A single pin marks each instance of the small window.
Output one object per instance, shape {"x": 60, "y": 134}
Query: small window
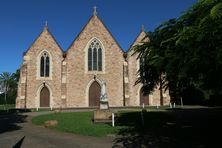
{"x": 44, "y": 65}
{"x": 47, "y": 67}
{"x": 94, "y": 59}
{"x": 100, "y": 59}
{"x": 142, "y": 65}
{"x": 95, "y": 56}
{"x": 90, "y": 59}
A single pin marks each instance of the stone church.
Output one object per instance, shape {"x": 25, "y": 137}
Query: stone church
{"x": 51, "y": 77}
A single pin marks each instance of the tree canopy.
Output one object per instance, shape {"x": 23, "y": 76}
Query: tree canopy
{"x": 8, "y": 87}
{"x": 185, "y": 52}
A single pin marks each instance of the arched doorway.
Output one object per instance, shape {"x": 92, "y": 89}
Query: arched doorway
{"x": 44, "y": 97}
{"x": 144, "y": 98}
{"x": 94, "y": 94}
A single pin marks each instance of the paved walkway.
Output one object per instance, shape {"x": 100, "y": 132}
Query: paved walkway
{"x": 18, "y": 131}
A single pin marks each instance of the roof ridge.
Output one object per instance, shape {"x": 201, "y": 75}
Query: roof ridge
{"x": 94, "y": 15}
{"x": 44, "y": 29}
{"x": 134, "y": 41}
{"x": 78, "y": 34}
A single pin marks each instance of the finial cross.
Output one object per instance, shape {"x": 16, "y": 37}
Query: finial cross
{"x": 46, "y": 24}
{"x": 142, "y": 28}
{"x": 94, "y": 10}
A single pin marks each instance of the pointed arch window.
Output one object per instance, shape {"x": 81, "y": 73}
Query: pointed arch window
{"x": 95, "y": 56}
{"x": 142, "y": 65}
{"x": 44, "y": 65}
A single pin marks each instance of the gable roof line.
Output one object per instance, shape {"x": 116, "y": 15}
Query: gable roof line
{"x": 84, "y": 29}
{"x": 134, "y": 41}
{"x": 112, "y": 35}
{"x": 45, "y": 28}
{"x": 78, "y": 35}
{"x": 55, "y": 40}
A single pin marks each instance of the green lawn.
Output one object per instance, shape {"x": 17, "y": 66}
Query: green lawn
{"x": 41, "y": 109}
{"x": 77, "y": 122}
{"x": 81, "y": 122}
{"x": 197, "y": 127}
{"x": 8, "y": 106}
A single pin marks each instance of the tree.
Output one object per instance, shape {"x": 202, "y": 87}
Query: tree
{"x": 187, "y": 51}
{"x": 1, "y": 89}
{"x": 12, "y": 88}
{"x": 5, "y": 80}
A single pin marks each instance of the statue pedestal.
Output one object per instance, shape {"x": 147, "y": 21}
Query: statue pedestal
{"x": 103, "y": 115}
{"x": 104, "y": 104}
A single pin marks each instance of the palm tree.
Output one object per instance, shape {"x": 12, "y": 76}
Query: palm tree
{"x": 5, "y": 79}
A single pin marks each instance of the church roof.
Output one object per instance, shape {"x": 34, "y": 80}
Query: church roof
{"x": 43, "y": 31}
{"x": 139, "y": 38}
{"x": 92, "y": 17}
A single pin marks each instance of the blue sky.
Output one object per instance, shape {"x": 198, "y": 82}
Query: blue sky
{"x": 21, "y": 21}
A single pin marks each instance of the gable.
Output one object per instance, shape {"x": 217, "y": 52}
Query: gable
{"x": 45, "y": 40}
{"x": 95, "y": 28}
{"x": 139, "y": 39}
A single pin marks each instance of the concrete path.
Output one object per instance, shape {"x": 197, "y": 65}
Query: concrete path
{"x": 17, "y": 131}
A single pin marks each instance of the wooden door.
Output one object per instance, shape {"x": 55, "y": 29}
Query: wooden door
{"x": 94, "y": 94}
{"x": 44, "y": 97}
{"x": 144, "y": 98}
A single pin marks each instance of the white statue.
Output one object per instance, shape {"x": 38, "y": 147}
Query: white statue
{"x": 103, "y": 95}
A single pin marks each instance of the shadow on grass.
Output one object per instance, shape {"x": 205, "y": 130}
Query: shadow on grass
{"x": 10, "y": 119}
{"x": 191, "y": 128}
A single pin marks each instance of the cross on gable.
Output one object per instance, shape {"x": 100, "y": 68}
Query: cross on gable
{"x": 94, "y": 10}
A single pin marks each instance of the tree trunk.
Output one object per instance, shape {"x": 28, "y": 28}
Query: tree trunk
{"x": 6, "y": 96}
{"x": 161, "y": 92}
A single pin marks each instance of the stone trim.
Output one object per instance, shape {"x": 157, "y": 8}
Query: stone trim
{"x": 22, "y": 97}
{"x": 125, "y": 63}
{"x": 138, "y": 94}
{"x": 126, "y": 80}
{"x": 26, "y": 58}
{"x": 150, "y": 99}
{"x": 137, "y": 64}
{"x": 127, "y": 96}
{"x": 23, "y": 80}
{"x": 38, "y": 66}
{"x": 64, "y": 63}
{"x": 37, "y": 98}
{"x": 63, "y": 79}
{"x": 103, "y": 58}
{"x": 63, "y": 97}
{"x": 87, "y": 89}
